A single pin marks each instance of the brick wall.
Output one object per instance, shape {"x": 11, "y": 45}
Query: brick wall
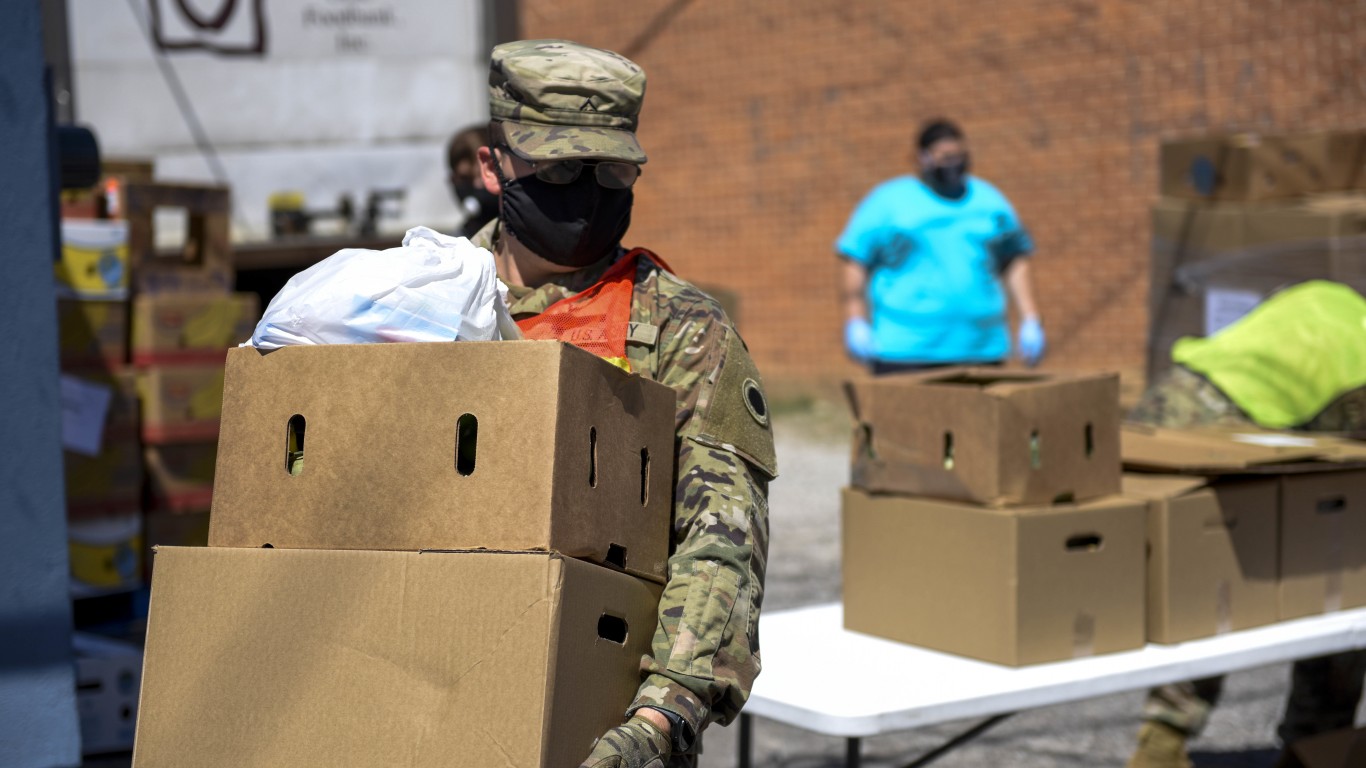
{"x": 767, "y": 122}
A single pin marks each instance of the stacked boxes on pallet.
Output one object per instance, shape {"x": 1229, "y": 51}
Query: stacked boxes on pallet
{"x": 984, "y": 518}
{"x": 418, "y": 552}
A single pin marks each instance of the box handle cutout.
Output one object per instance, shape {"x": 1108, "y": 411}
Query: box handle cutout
{"x": 1085, "y": 542}
{"x": 866, "y": 432}
{"x": 644, "y": 476}
{"x": 616, "y": 556}
{"x": 466, "y": 443}
{"x": 613, "y": 629}
{"x": 1090, "y": 440}
{"x": 593, "y": 457}
{"x": 1035, "y": 450}
{"x": 948, "y": 450}
{"x": 1066, "y": 497}
{"x": 1331, "y": 505}
{"x": 294, "y": 445}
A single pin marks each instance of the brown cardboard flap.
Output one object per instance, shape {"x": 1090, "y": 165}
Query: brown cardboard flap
{"x": 1159, "y": 487}
{"x": 1207, "y": 452}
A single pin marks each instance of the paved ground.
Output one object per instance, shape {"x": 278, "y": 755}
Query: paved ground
{"x": 804, "y": 569}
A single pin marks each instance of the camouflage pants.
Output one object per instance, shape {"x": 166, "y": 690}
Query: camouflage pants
{"x": 1324, "y": 694}
{"x": 1324, "y": 691}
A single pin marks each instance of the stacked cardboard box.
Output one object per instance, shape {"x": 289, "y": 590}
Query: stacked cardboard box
{"x": 435, "y": 554}
{"x": 1243, "y": 216}
{"x": 1247, "y": 527}
{"x": 984, "y": 519}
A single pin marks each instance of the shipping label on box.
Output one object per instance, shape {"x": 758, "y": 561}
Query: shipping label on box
{"x": 1011, "y": 586}
{"x": 513, "y": 445}
{"x": 1212, "y": 554}
{"x": 190, "y": 327}
{"x": 94, "y": 261}
{"x": 108, "y": 675}
{"x": 988, "y": 436}
{"x": 360, "y": 658}
{"x": 1323, "y": 543}
{"x": 180, "y": 475}
{"x": 181, "y": 403}
{"x": 106, "y": 553}
{"x": 92, "y": 333}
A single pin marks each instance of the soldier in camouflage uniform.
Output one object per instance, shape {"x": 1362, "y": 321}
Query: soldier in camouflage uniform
{"x": 1324, "y": 691}
{"x": 554, "y": 101}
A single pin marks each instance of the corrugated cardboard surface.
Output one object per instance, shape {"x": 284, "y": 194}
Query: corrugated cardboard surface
{"x": 1214, "y": 451}
{"x": 181, "y": 402}
{"x": 303, "y": 658}
{"x": 988, "y": 436}
{"x": 559, "y": 465}
{"x": 190, "y": 327}
{"x": 1212, "y": 554}
{"x": 1323, "y": 543}
{"x": 1000, "y": 585}
{"x": 1250, "y": 167}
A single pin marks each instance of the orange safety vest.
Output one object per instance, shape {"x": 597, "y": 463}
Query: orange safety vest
{"x": 598, "y": 318}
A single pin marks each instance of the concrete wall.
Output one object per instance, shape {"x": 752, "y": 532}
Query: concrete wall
{"x": 343, "y": 97}
{"x": 38, "y": 727}
{"x": 766, "y": 123}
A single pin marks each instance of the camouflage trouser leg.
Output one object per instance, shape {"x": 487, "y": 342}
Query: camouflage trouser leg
{"x": 1324, "y": 693}
{"x": 1345, "y": 414}
{"x": 1184, "y": 706}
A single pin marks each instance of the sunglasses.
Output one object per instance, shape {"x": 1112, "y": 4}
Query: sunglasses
{"x": 610, "y": 173}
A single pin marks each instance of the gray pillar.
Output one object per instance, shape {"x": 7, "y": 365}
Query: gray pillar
{"x": 38, "y": 726}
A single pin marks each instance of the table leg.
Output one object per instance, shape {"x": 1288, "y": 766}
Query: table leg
{"x": 853, "y": 753}
{"x": 746, "y": 740}
{"x": 960, "y": 739}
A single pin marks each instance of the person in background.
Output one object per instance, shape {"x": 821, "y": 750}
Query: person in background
{"x": 924, "y": 261}
{"x": 563, "y": 160}
{"x": 1297, "y": 361}
{"x": 476, "y": 204}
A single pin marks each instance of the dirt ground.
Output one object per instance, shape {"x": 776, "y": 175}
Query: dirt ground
{"x": 804, "y": 569}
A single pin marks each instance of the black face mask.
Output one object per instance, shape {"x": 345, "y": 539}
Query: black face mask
{"x": 572, "y": 224}
{"x": 476, "y": 202}
{"x": 949, "y": 180}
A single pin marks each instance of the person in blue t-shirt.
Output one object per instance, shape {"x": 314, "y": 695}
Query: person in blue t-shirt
{"x": 925, "y": 259}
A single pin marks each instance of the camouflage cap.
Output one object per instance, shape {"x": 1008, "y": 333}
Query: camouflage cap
{"x": 558, "y": 99}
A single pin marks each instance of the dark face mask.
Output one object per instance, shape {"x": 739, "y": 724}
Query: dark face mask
{"x": 475, "y": 201}
{"x": 572, "y": 224}
{"x": 949, "y": 180}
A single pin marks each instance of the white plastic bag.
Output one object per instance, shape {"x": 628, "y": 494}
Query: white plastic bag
{"x": 433, "y": 288}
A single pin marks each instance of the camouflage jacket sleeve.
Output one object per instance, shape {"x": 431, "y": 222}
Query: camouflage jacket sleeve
{"x": 706, "y": 645}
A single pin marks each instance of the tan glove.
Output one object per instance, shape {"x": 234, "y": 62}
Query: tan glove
{"x": 636, "y": 744}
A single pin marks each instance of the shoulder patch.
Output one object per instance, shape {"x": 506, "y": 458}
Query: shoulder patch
{"x": 736, "y": 417}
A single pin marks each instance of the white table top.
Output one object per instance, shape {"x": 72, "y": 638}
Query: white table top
{"x": 822, "y": 678}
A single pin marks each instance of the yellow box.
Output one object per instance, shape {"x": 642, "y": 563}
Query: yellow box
{"x": 94, "y": 261}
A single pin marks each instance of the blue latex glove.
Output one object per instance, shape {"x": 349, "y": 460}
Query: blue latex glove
{"x": 858, "y": 339}
{"x": 1031, "y": 341}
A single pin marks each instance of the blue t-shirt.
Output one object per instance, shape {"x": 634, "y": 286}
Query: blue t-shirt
{"x": 933, "y": 264}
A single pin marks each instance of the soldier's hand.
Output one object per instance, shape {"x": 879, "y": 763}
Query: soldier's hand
{"x": 638, "y": 743}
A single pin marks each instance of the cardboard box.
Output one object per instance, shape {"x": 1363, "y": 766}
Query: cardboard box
{"x": 108, "y": 674}
{"x": 204, "y": 262}
{"x": 1212, "y": 554}
{"x": 91, "y": 333}
{"x": 1010, "y": 586}
{"x": 1248, "y": 167}
{"x": 94, "y": 261}
{"x": 1211, "y": 264}
{"x": 109, "y": 481}
{"x": 987, "y": 435}
{"x": 191, "y": 327}
{"x": 1323, "y": 543}
{"x": 1215, "y": 451}
{"x": 369, "y": 659}
{"x": 106, "y": 553}
{"x": 180, "y": 475}
{"x": 181, "y": 403}
{"x": 161, "y": 528}
{"x": 513, "y": 445}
